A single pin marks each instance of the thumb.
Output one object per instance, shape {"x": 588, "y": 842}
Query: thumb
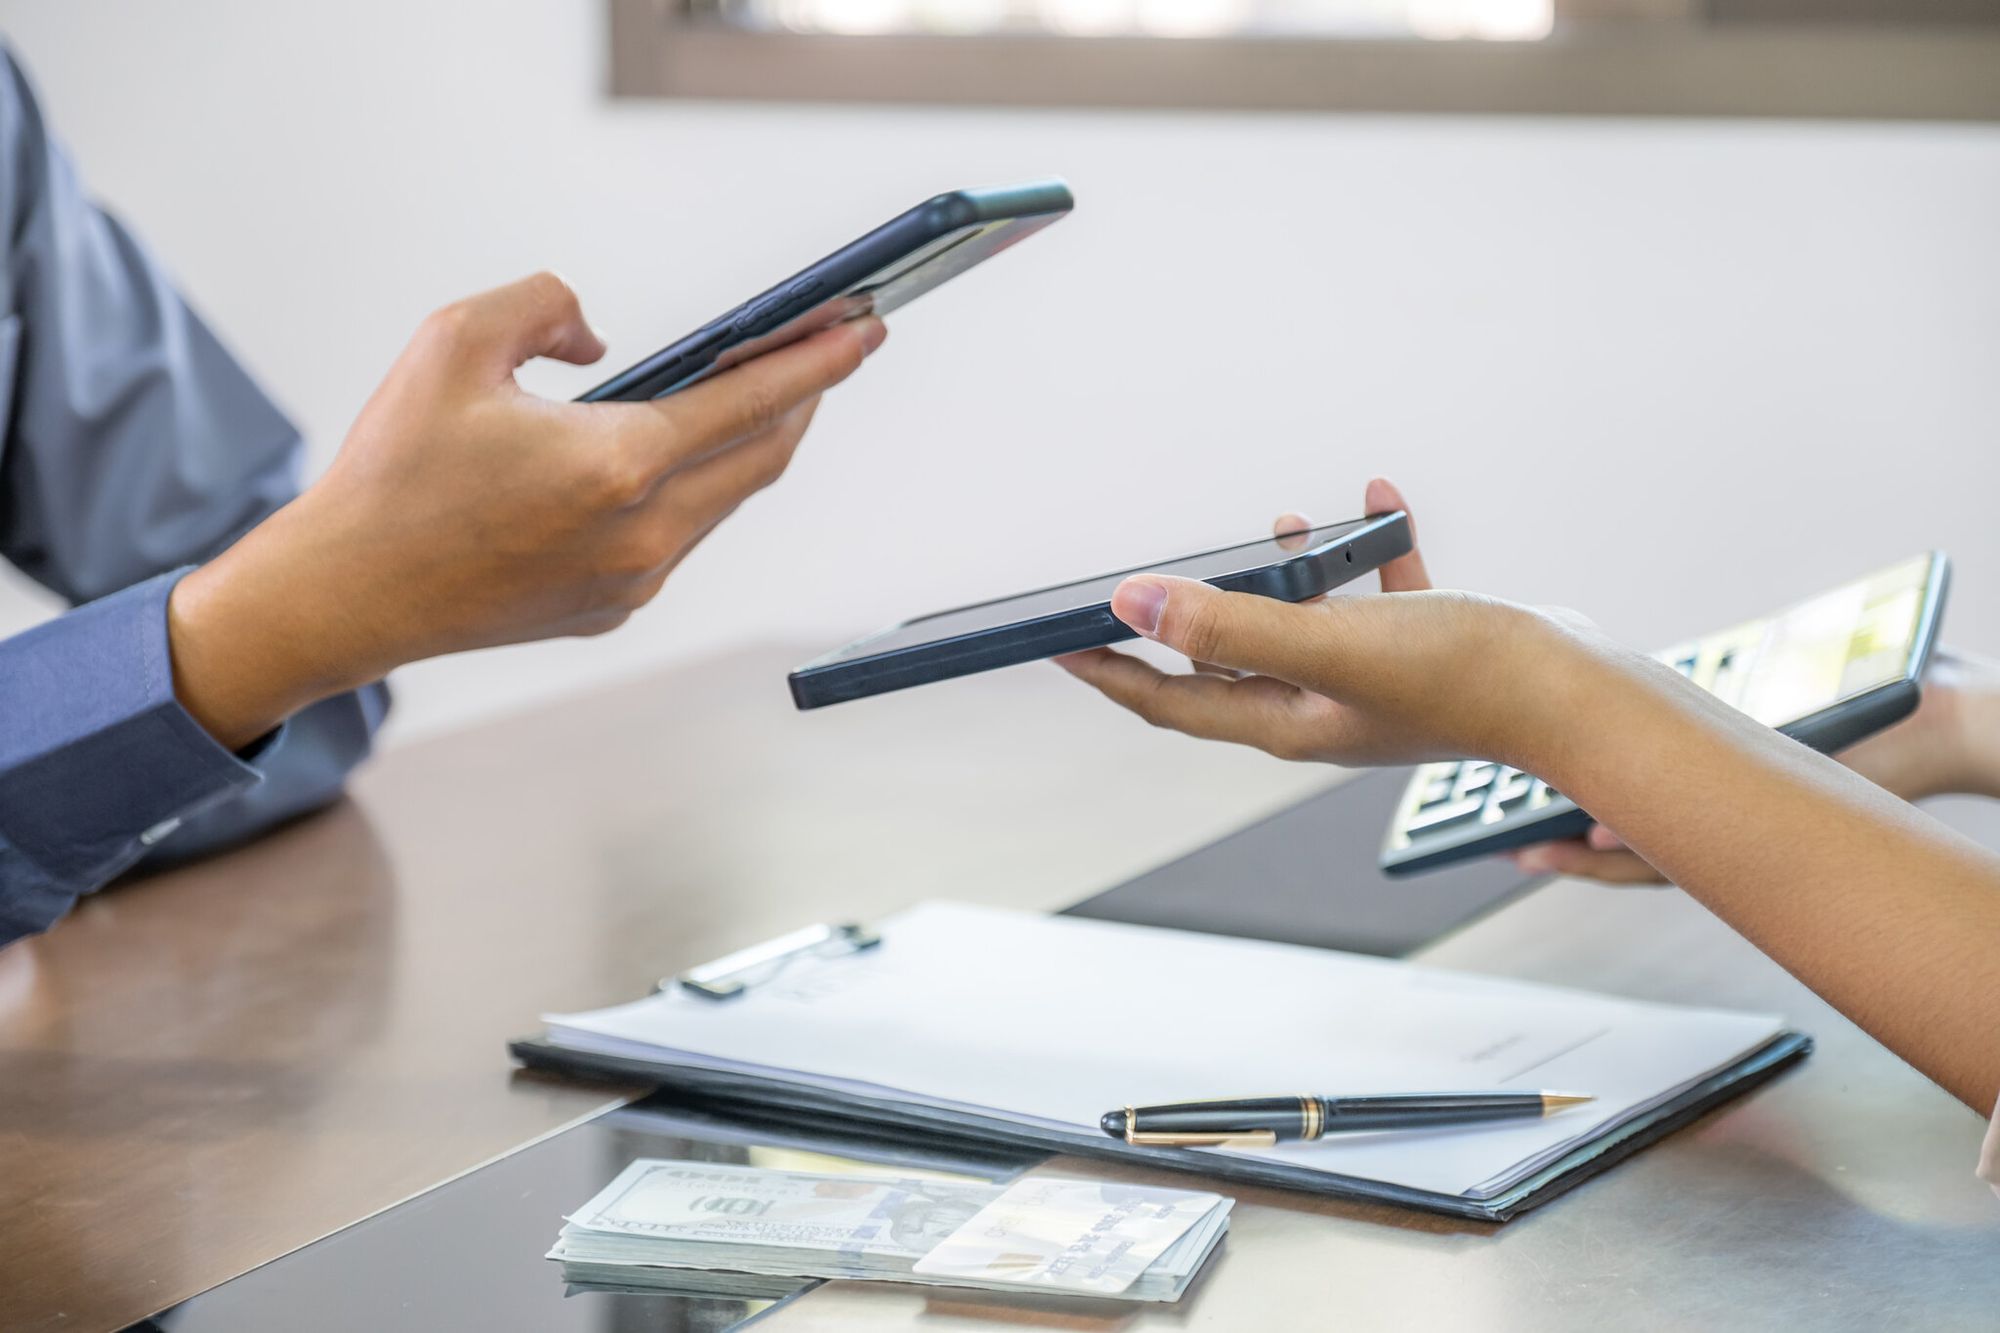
{"x": 1239, "y": 630}
{"x": 500, "y": 329}
{"x": 1603, "y": 839}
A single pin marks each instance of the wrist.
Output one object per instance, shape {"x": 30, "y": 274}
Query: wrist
{"x": 1575, "y": 688}
{"x": 1938, "y": 753}
{"x": 256, "y": 635}
{"x": 1973, "y": 727}
{"x": 1951, "y": 743}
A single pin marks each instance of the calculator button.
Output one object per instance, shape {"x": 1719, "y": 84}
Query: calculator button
{"x": 1445, "y": 815}
{"x": 1474, "y": 777}
{"x": 1509, "y": 790}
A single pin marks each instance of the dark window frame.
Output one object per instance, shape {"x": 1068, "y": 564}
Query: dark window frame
{"x": 1608, "y": 58}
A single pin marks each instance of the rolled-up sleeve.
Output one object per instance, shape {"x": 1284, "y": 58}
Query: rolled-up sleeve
{"x": 134, "y": 447}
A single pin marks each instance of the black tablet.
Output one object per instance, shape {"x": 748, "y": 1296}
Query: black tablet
{"x": 1071, "y": 617}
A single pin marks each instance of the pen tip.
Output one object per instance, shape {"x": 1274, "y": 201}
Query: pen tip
{"x": 1556, "y": 1101}
{"x": 1113, "y": 1123}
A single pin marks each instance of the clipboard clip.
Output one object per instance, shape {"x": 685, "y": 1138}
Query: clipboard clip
{"x": 733, "y": 974}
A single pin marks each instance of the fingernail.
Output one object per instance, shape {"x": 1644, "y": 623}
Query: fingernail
{"x": 873, "y": 334}
{"x": 1140, "y": 603}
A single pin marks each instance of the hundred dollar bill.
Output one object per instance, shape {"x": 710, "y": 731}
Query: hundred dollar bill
{"x": 1078, "y": 1235}
{"x": 665, "y": 1224}
{"x": 703, "y": 1203}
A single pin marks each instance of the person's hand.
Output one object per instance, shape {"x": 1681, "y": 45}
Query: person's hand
{"x": 1949, "y": 744}
{"x": 463, "y": 512}
{"x": 1418, "y": 674}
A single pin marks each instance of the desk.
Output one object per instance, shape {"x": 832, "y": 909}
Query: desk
{"x": 210, "y": 1069}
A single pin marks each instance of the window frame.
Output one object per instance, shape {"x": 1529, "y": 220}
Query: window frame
{"x": 1608, "y": 58}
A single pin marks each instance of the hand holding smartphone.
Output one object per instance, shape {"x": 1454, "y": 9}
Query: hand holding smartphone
{"x": 1072, "y": 617}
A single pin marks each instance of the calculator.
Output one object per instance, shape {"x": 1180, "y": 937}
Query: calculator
{"x": 1828, "y": 672}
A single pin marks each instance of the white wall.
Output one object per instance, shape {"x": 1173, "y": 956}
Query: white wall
{"x": 1665, "y": 372}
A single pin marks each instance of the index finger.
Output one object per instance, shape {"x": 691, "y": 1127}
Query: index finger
{"x": 498, "y": 330}
{"x": 1291, "y": 530}
{"x": 749, "y": 399}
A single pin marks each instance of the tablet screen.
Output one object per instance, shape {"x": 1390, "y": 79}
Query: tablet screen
{"x": 1094, "y": 591}
{"x": 1786, "y": 667}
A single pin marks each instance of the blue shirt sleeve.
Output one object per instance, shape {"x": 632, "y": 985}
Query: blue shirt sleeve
{"x": 134, "y": 446}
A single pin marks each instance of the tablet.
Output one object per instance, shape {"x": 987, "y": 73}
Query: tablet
{"x": 1830, "y": 671}
{"x": 1071, "y": 617}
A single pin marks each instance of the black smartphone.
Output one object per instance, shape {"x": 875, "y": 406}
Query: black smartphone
{"x": 1071, "y": 617}
{"x": 1828, "y": 672}
{"x": 889, "y": 267}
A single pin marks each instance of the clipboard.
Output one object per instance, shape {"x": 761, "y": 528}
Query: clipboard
{"x": 852, "y": 1099}
{"x": 734, "y": 974}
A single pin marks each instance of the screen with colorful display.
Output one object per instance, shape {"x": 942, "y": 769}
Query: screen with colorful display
{"x": 1835, "y": 646}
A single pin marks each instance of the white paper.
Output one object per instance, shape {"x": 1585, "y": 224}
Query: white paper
{"x": 1055, "y": 1020}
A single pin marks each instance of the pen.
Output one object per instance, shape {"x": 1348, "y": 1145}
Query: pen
{"x": 1259, "y": 1122}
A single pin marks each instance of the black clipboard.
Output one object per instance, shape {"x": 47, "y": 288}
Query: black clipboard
{"x": 725, "y": 1091}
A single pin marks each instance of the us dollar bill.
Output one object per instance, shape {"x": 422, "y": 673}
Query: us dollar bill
{"x": 1077, "y": 1235}
{"x": 694, "y": 1202}
{"x": 661, "y": 1222}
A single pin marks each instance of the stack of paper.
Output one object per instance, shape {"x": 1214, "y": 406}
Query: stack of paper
{"x": 752, "y": 1232}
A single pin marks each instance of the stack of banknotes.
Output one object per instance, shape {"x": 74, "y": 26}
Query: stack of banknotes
{"x": 744, "y": 1231}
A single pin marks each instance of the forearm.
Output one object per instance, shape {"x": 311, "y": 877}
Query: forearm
{"x": 1889, "y": 916}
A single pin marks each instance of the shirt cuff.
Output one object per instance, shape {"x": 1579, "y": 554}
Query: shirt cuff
{"x": 98, "y": 760}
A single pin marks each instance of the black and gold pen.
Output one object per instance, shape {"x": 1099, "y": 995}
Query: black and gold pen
{"x": 1259, "y": 1122}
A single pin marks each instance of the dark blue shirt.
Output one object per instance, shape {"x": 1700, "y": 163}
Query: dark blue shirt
{"x": 132, "y": 447}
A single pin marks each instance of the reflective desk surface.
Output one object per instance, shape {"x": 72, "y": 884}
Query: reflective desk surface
{"x": 207, "y": 1070}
